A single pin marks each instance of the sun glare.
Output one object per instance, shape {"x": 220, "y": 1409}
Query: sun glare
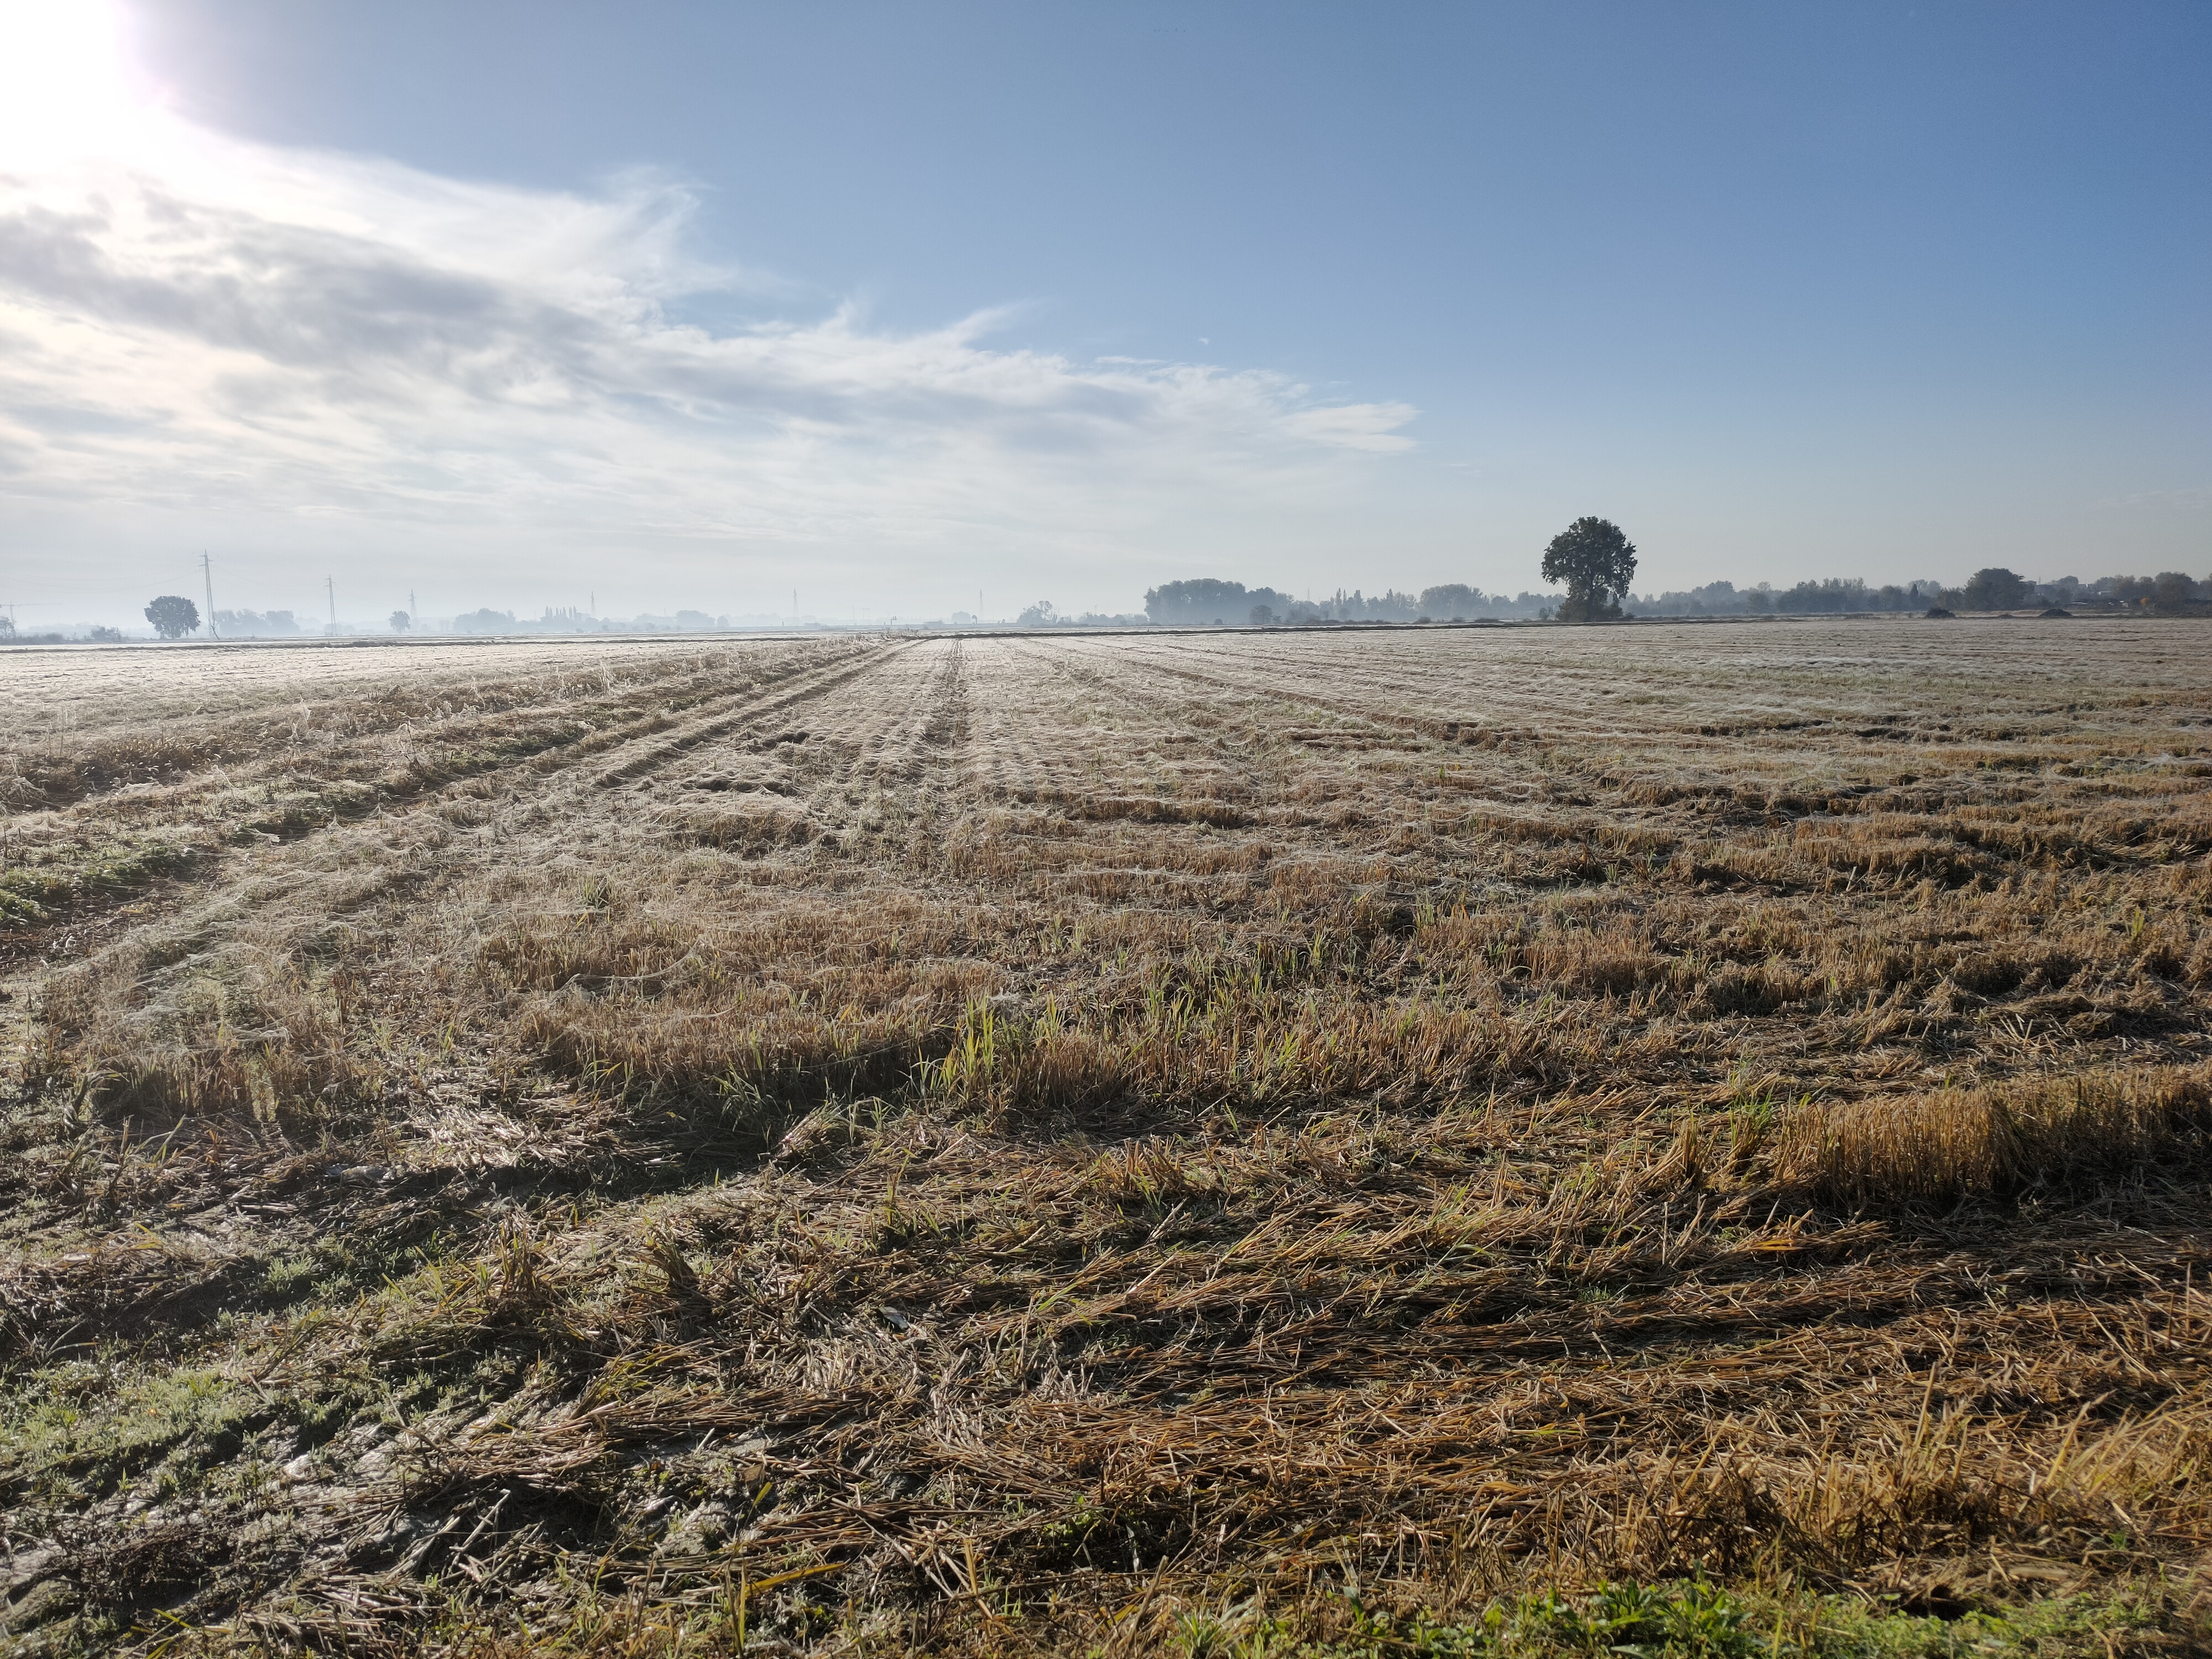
{"x": 63, "y": 92}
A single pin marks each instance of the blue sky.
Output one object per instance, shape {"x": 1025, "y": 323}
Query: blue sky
{"x": 692, "y": 305}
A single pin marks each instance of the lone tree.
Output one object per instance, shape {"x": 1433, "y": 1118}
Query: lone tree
{"x": 1996, "y": 589}
{"x": 1596, "y": 562}
{"x": 174, "y": 616}
{"x": 400, "y": 620}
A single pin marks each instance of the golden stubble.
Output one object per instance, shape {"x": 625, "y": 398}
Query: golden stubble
{"x": 1116, "y": 1125}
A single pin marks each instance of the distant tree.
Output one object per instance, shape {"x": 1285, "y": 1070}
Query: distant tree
{"x": 1040, "y": 615}
{"x": 1996, "y": 589}
{"x": 1453, "y": 599}
{"x": 1391, "y": 605}
{"x": 2066, "y": 590}
{"x": 174, "y": 616}
{"x": 7, "y": 628}
{"x": 1596, "y": 562}
{"x": 105, "y": 635}
{"x": 400, "y": 620}
{"x": 2170, "y": 590}
{"x": 1205, "y": 598}
{"x": 1195, "y": 600}
{"x": 1263, "y": 617}
{"x": 1831, "y": 595}
{"x": 2123, "y": 590}
{"x": 253, "y": 624}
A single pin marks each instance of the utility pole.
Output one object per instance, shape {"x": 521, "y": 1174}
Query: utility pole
{"x": 413, "y": 614}
{"x": 207, "y": 576}
{"x": 331, "y": 587}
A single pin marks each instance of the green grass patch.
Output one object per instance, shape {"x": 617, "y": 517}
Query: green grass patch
{"x": 89, "y": 1430}
{"x": 1696, "y": 1620}
{"x": 30, "y": 896}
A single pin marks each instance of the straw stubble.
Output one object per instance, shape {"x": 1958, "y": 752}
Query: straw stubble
{"x": 1024, "y": 1142}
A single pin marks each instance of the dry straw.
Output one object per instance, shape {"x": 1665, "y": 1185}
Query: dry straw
{"x": 1069, "y": 1145}
{"x": 2033, "y": 1132}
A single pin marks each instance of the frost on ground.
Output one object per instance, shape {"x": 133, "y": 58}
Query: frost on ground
{"x": 1209, "y": 1143}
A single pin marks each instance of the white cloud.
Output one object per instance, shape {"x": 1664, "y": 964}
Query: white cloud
{"x": 195, "y": 330}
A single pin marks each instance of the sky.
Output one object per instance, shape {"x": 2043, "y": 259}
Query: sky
{"x": 896, "y": 309}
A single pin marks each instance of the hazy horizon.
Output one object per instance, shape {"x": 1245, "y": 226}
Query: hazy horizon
{"x": 955, "y": 308}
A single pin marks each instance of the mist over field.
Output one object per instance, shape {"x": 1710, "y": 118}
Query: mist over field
{"x": 1206, "y": 602}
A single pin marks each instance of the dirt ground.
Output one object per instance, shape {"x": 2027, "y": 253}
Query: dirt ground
{"x": 1239, "y": 1142}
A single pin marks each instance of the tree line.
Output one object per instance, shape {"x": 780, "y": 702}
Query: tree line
{"x": 1205, "y": 600}
{"x": 2170, "y": 593}
{"x": 1591, "y": 557}
{"x": 1595, "y": 564}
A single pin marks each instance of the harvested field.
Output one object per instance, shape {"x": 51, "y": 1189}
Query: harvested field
{"x": 1204, "y": 1143}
